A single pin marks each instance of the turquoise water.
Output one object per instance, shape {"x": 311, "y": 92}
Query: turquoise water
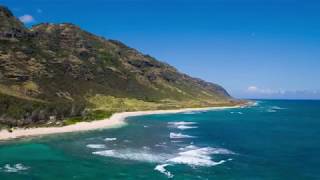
{"x": 272, "y": 140}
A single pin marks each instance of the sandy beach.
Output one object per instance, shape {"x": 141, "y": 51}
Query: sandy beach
{"x": 116, "y": 120}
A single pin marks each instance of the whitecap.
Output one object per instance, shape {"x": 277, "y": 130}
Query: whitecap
{"x": 221, "y": 151}
{"x": 183, "y": 127}
{"x": 160, "y": 145}
{"x": 236, "y": 112}
{"x": 176, "y": 141}
{"x": 190, "y": 155}
{"x": 271, "y": 110}
{"x": 136, "y": 155}
{"x": 254, "y": 103}
{"x": 182, "y": 123}
{"x": 198, "y": 156}
{"x": 188, "y": 148}
{"x": 204, "y": 152}
{"x": 277, "y": 108}
{"x": 146, "y": 148}
{"x": 15, "y": 168}
{"x": 110, "y": 139}
{"x": 179, "y": 136}
{"x": 21, "y": 167}
{"x": 161, "y": 169}
{"x": 96, "y": 146}
{"x": 8, "y": 168}
{"x": 194, "y": 161}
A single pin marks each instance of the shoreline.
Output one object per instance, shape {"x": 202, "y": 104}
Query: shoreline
{"x": 116, "y": 120}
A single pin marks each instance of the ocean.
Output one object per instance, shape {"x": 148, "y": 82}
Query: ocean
{"x": 274, "y": 139}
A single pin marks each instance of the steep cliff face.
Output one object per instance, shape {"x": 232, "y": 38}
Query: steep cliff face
{"x": 60, "y": 70}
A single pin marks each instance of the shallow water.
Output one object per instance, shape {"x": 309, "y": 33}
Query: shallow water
{"x": 273, "y": 140}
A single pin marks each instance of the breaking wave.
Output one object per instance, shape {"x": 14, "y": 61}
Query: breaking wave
{"x": 277, "y": 108}
{"x": 14, "y": 168}
{"x": 110, "y": 139}
{"x": 182, "y": 123}
{"x": 136, "y": 155}
{"x": 183, "y": 127}
{"x": 190, "y": 155}
{"x": 96, "y": 146}
{"x": 161, "y": 169}
{"x": 271, "y": 110}
{"x": 236, "y": 112}
{"x": 188, "y": 148}
{"x": 194, "y": 156}
{"x": 174, "y": 141}
{"x": 179, "y": 136}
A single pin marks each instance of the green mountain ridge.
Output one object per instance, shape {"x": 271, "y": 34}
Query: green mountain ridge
{"x": 51, "y": 72}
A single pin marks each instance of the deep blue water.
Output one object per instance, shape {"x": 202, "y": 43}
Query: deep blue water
{"x": 272, "y": 140}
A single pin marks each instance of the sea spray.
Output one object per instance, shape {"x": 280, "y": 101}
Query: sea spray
{"x": 161, "y": 169}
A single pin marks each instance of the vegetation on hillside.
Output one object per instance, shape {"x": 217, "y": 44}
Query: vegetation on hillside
{"x": 60, "y": 74}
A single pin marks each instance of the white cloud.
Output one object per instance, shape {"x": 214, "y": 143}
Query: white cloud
{"x": 257, "y": 92}
{"x": 252, "y": 88}
{"x": 27, "y": 18}
{"x": 255, "y": 89}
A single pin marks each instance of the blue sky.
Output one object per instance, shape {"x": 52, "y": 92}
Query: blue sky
{"x": 254, "y": 48}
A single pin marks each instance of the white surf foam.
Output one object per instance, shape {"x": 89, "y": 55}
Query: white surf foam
{"x": 277, "y": 108}
{"x": 182, "y": 123}
{"x": 14, "y": 168}
{"x": 179, "y": 136}
{"x": 189, "y": 147}
{"x": 194, "y": 161}
{"x": 236, "y": 112}
{"x": 160, "y": 145}
{"x": 161, "y": 169}
{"x": 163, "y": 144}
{"x": 96, "y": 146}
{"x": 183, "y": 127}
{"x": 146, "y": 148}
{"x": 190, "y": 155}
{"x": 174, "y": 141}
{"x": 271, "y": 111}
{"x": 198, "y": 156}
{"x": 136, "y": 155}
{"x": 110, "y": 139}
{"x": 254, "y": 103}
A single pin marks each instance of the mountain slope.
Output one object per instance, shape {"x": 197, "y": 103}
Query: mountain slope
{"x": 59, "y": 70}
